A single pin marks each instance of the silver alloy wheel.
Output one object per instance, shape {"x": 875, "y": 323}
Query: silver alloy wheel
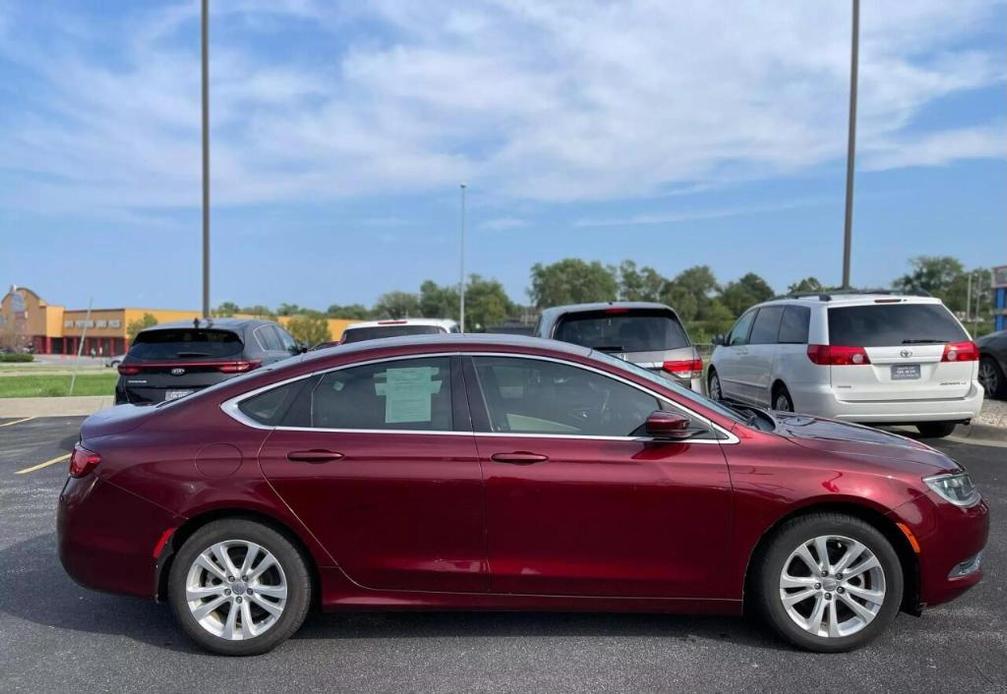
{"x": 782, "y": 403}
{"x": 832, "y": 586}
{"x": 236, "y": 589}
{"x": 988, "y": 376}
{"x": 715, "y": 387}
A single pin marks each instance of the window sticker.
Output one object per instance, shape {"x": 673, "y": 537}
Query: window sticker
{"x": 408, "y": 393}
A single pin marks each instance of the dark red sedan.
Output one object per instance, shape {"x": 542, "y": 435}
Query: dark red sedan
{"x": 507, "y": 473}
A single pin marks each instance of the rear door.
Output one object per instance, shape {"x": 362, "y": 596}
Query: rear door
{"x": 916, "y": 351}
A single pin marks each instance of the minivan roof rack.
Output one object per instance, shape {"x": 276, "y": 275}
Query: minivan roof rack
{"x": 830, "y": 294}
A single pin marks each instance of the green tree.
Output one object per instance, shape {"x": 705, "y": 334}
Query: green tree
{"x": 289, "y": 310}
{"x": 747, "y": 291}
{"x": 257, "y": 310}
{"x": 808, "y": 284}
{"x": 353, "y": 311}
{"x": 438, "y": 301}
{"x": 644, "y": 284}
{"x": 486, "y": 304}
{"x": 228, "y": 308}
{"x": 572, "y": 281}
{"x": 397, "y": 305}
{"x": 135, "y": 326}
{"x": 691, "y": 292}
{"x": 308, "y": 329}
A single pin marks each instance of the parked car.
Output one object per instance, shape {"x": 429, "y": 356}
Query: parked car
{"x": 114, "y": 360}
{"x": 993, "y": 363}
{"x": 172, "y": 360}
{"x": 868, "y": 358}
{"x": 502, "y": 472}
{"x": 372, "y": 330}
{"x": 644, "y": 333}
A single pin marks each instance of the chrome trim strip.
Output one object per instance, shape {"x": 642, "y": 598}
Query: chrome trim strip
{"x": 230, "y": 407}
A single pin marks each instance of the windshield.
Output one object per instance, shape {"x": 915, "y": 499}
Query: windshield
{"x": 690, "y": 395}
{"x": 186, "y": 343}
{"x": 623, "y": 330}
{"x": 379, "y": 331}
{"x": 887, "y": 325}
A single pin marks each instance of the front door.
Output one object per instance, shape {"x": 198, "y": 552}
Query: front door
{"x": 379, "y": 462}
{"x": 578, "y": 502}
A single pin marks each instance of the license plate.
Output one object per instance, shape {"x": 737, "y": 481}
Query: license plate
{"x": 176, "y": 394}
{"x": 905, "y": 372}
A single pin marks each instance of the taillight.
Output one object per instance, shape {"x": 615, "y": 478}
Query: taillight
{"x": 684, "y": 368}
{"x": 837, "y": 355}
{"x": 237, "y": 367}
{"x": 82, "y": 461}
{"x": 961, "y": 351}
{"x": 128, "y": 369}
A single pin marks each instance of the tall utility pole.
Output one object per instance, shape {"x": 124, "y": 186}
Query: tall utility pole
{"x": 461, "y": 271}
{"x": 851, "y": 144}
{"x": 205, "y": 31}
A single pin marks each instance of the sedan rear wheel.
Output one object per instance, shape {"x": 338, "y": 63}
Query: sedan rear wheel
{"x": 238, "y": 587}
{"x": 829, "y": 582}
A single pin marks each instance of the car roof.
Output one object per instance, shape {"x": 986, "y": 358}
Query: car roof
{"x": 445, "y": 323}
{"x": 554, "y": 312}
{"x": 826, "y": 300}
{"x": 211, "y": 324}
{"x": 452, "y": 342}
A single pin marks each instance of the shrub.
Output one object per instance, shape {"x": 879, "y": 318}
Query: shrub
{"x": 16, "y": 357}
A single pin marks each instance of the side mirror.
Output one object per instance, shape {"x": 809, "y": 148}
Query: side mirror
{"x": 719, "y": 339}
{"x": 667, "y": 425}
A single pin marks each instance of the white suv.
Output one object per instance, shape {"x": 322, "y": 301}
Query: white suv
{"x": 869, "y": 358}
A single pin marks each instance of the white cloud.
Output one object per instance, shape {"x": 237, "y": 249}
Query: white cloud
{"x": 674, "y": 216}
{"x": 503, "y": 223}
{"x": 563, "y": 100}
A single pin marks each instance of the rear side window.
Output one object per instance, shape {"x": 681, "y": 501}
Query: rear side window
{"x": 379, "y": 331}
{"x": 268, "y": 339}
{"x": 186, "y": 343}
{"x": 766, "y": 326}
{"x": 286, "y": 341}
{"x": 402, "y": 394}
{"x": 794, "y": 326}
{"x": 885, "y": 325}
{"x": 621, "y": 330}
{"x": 268, "y": 407}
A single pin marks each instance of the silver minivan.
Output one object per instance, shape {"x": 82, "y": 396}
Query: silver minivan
{"x": 644, "y": 333}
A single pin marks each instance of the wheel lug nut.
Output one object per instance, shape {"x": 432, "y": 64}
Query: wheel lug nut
{"x": 840, "y": 589}
{"x": 238, "y": 598}
{"x": 227, "y": 591}
{"x": 249, "y": 591}
{"x": 828, "y": 596}
{"x": 818, "y": 586}
{"x": 231, "y": 579}
{"x": 244, "y": 578}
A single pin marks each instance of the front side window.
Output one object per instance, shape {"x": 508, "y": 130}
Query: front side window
{"x": 766, "y": 326}
{"x": 400, "y": 394}
{"x": 739, "y": 333}
{"x": 531, "y": 396}
{"x": 267, "y": 339}
{"x": 287, "y": 343}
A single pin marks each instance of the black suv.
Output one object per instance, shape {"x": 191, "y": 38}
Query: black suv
{"x": 174, "y": 359}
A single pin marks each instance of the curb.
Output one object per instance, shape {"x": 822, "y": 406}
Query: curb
{"x": 980, "y": 434}
{"x": 74, "y": 406}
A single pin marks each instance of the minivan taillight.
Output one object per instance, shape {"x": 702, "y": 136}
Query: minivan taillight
{"x": 82, "y": 461}
{"x": 128, "y": 369}
{"x": 837, "y": 355}
{"x": 684, "y": 368}
{"x": 237, "y": 367}
{"x": 961, "y": 351}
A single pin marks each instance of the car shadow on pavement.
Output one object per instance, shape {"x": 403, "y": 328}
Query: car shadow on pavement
{"x": 36, "y": 589}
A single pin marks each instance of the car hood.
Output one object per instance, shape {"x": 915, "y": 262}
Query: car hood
{"x": 871, "y": 445}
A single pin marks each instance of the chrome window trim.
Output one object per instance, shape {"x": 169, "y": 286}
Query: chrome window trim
{"x": 230, "y": 406}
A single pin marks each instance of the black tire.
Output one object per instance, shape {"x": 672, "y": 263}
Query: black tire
{"x": 935, "y": 430}
{"x": 991, "y": 376}
{"x": 712, "y": 383}
{"x": 782, "y": 401}
{"x": 768, "y": 568}
{"x": 295, "y": 569}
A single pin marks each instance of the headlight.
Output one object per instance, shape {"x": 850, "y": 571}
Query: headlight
{"x": 954, "y": 487}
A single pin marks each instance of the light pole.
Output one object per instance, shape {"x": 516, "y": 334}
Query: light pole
{"x": 461, "y": 271}
{"x": 205, "y": 38}
{"x": 851, "y": 144}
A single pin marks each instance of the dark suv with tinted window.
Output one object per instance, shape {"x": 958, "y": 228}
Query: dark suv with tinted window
{"x": 645, "y": 333}
{"x": 172, "y": 360}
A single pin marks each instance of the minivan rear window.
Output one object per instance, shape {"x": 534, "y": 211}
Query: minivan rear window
{"x": 886, "y": 325}
{"x": 186, "y": 343}
{"x": 379, "y": 331}
{"x": 619, "y": 330}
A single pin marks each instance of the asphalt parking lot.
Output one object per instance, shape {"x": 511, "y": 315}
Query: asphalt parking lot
{"x": 58, "y": 637}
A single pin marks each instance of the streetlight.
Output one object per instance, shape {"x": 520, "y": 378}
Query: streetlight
{"x": 461, "y": 272}
{"x": 205, "y": 38}
{"x": 851, "y": 144}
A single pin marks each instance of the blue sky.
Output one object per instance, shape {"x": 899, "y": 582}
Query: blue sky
{"x": 673, "y": 134}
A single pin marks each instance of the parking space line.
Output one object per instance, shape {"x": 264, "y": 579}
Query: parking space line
{"x": 16, "y": 421}
{"x": 33, "y": 468}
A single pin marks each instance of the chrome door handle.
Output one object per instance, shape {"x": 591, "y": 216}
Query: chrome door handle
{"x": 519, "y": 458}
{"x": 314, "y": 456}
